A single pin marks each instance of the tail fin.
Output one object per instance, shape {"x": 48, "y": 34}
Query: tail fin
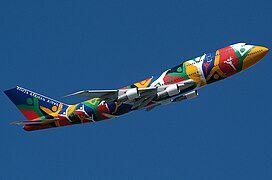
{"x": 33, "y": 105}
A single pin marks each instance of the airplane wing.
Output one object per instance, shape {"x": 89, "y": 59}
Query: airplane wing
{"x": 103, "y": 94}
{"x": 140, "y": 97}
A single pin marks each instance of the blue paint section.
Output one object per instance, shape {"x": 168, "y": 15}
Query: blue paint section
{"x": 124, "y": 108}
{"x": 90, "y": 112}
{"x": 111, "y": 106}
{"x": 33, "y": 105}
{"x": 17, "y": 97}
{"x": 22, "y": 96}
{"x": 154, "y": 79}
{"x": 63, "y": 111}
{"x": 208, "y": 63}
{"x": 79, "y": 107}
{"x": 118, "y": 110}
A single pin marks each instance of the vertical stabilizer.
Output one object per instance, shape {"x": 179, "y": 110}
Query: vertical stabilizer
{"x": 33, "y": 105}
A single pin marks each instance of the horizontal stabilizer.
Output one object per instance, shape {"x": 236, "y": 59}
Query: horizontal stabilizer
{"x": 35, "y": 122}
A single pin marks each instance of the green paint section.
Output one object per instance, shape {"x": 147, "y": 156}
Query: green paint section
{"x": 29, "y": 101}
{"x": 180, "y": 71}
{"x": 199, "y": 58}
{"x": 34, "y": 107}
{"x": 240, "y": 57}
{"x": 94, "y": 106}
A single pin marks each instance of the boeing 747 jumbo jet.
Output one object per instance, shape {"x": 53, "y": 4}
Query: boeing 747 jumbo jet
{"x": 173, "y": 85}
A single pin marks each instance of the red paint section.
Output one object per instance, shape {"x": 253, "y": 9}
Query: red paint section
{"x": 228, "y": 62}
{"x": 102, "y": 108}
{"x": 30, "y": 115}
{"x": 172, "y": 79}
{"x": 37, "y": 127}
{"x": 80, "y": 114}
{"x": 87, "y": 121}
{"x": 151, "y": 103}
{"x": 63, "y": 121}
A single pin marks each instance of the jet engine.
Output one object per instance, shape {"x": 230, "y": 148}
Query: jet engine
{"x": 130, "y": 95}
{"x": 171, "y": 90}
{"x": 189, "y": 95}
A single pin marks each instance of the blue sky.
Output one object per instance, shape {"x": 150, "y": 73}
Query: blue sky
{"x": 59, "y": 47}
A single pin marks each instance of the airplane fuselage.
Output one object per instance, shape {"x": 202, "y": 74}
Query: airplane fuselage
{"x": 170, "y": 87}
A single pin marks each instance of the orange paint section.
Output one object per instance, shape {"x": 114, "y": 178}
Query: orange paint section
{"x": 144, "y": 83}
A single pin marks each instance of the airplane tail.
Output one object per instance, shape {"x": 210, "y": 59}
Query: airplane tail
{"x": 36, "y": 108}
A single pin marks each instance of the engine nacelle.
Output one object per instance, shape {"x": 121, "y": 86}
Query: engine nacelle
{"x": 171, "y": 90}
{"x": 130, "y": 95}
{"x": 189, "y": 95}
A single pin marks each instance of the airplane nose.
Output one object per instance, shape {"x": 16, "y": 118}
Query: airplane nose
{"x": 254, "y": 56}
{"x": 264, "y": 50}
{"x": 259, "y": 52}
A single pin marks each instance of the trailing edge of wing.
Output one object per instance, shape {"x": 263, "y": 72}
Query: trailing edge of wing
{"x": 34, "y": 122}
{"x": 95, "y": 93}
{"x": 144, "y": 92}
{"x": 110, "y": 94}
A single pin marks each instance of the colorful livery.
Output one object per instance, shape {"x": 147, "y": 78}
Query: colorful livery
{"x": 173, "y": 85}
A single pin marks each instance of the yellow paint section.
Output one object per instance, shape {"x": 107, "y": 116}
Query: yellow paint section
{"x": 71, "y": 109}
{"x": 81, "y": 117}
{"x": 54, "y": 108}
{"x": 117, "y": 105}
{"x": 144, "y": 83}
{"x": 93, "y": 101}
{"x": 216, "y": 68}
{"x": 247, "y": 62}
{"x": 57, "y": 123}
{"x": 52, "y": 113}
{"x": 216, "y": 76}
{"x": 254, "y": 56}
{"x": 216, "y": 61}
{"x": 192, "y": 72}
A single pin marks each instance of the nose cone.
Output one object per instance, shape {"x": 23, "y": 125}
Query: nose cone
{"x": 254, "y": 56}
{"x": 261, "y": 51}
{"x": 258, "y": 53}
{"x": 266, "y": 50}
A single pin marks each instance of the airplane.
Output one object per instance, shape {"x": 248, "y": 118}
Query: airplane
{"x": 173, "y": 85}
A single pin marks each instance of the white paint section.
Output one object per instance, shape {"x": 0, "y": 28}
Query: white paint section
{"x": 159, "y": 81}
{"x": 241, "y": 48}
